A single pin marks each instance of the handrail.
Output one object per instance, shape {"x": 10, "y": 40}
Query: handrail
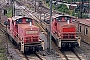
{"x": 68, "y": 35}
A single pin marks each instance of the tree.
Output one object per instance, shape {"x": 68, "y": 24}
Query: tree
{"x": 63, "y": 8}
{"x": 47, "y": 1}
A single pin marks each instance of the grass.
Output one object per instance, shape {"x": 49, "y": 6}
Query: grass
{"x": 0, "y": 41}
{"x": 2, "y": 57}
{"x": 2, "y": 51}
{"x": 2, "y": 54}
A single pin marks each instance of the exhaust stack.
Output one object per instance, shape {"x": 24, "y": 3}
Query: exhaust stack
{"x": 68, "y": 21}
{"x": 31, "y": 25}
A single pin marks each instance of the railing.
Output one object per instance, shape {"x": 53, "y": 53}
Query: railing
{"x": 35, "y": 39}
{"x": 68, "y": 35}
{"x": 31, "y": 39}
{"x": 27, "y": 39}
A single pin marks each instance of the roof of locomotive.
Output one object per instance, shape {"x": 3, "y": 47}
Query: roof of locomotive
{"x": 65, "y": 23}
{"x": 25, "y": 26}
{"x": 18, "y": 17}
{"x": 58, "y": 15}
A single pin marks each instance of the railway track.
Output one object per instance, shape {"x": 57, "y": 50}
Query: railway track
{"x": 84, "y": 49}
{"x": 65, "y": 55}
{"x": 72, "y": 55}
{"x": 34, "y": 56}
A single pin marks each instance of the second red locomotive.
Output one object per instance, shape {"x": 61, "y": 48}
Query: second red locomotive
{"x": 64, "y": 31}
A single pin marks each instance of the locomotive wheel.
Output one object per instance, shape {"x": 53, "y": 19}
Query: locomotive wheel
{"x": 10, "y": 38}
{"x": 19, "y": 47}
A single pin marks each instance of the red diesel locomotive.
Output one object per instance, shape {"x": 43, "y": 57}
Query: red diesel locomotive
{"x": 24, "y": 33}
{"x": 64, "y": 31}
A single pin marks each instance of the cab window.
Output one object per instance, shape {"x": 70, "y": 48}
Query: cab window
{"x": 28, "y": 20}
{"x": 67, "y": 18}
{"x": 18, "y": 21}
{"x": 58, "y": 19}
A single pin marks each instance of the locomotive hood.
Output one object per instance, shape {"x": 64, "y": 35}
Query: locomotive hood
{"x": 28, "y": 27}
{"x": 65, "y": 24}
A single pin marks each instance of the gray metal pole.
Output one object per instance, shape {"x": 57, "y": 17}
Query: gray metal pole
{"x": 0, "y": 13}
{"x": 50, "y": 25}
{"x": 35, "y": 5}
{"x": 13, "y": 8}
{"x": 89, "y": 7}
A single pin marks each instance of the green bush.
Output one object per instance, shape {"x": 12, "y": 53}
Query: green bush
{"x": 3, "y": 58}
{"x": 9, "y": 12}
{"x": 1, "y": 55}
{"x": 2, "y": 49}
{"x": 63, "y": 8}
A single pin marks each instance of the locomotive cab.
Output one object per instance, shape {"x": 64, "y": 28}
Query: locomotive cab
{"x": 59, "y": 18}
